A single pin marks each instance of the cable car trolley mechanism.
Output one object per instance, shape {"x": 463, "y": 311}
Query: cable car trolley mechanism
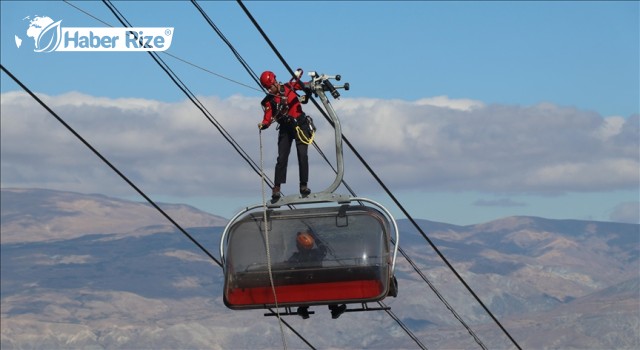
{"x": 330, "y": 249}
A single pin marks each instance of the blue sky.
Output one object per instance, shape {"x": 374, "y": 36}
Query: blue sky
{"x": 471, "y": 111}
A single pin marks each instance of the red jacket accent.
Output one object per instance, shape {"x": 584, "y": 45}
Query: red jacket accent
{"x": 290, "y": 103}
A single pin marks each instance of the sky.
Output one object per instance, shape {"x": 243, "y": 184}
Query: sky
{"x": 468, "y": 111}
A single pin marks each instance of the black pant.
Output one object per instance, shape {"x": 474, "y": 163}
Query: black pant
{"x": 286, "y": 136}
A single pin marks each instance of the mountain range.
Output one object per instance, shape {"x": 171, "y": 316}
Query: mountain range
{"x": 92, "y": 272}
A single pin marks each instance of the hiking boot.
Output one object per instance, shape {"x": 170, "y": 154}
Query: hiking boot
{"x": 303, "y": 311}
{"x": 275, "y": 194}
{"x": 337, "y": 310}
{"x": 305, "y": 191}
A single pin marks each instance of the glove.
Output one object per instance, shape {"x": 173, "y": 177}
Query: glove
{"x": 262, "y": 126}
{"x": 298, "y": 73}
{"x": 307, "y": 95}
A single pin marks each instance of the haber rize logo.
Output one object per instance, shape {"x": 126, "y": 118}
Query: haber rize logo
{"x": 48, "y": 35}
{"x": 38, "y": 28}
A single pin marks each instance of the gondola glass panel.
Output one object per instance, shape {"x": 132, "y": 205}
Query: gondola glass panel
{"x": 348, "y": 262}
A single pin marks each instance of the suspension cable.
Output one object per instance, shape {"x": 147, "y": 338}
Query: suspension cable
{"x": 404, "y": 327}
{"x": 189, "y": 94}
{"x": 167, "y": 53}
{"x": 253, "y": 74}
{"x": 315, "y": 145}
{"x": 255, "y": 79}
{"x": 442, "y": 298}
{"x": 182, "y": 86}
{"x": 194, "y": 99}
{"x": 389, "y": 193}
{"x": 113, "y": 167}
{"x": 136, "y": 188}
{"x": 124, "y": 177}
{"x": 246, "y": 66}
{"x": 175, "y": 79}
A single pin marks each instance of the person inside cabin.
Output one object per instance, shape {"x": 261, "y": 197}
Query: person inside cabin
{"x": 309, "y": 250}
{"x": 283, "y": 105}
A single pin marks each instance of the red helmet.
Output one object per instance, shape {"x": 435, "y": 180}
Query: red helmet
{"x": 267, "y": 79}
{"x": 304, "y": 240}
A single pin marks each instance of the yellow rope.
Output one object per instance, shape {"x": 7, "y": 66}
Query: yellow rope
{"x": 303, "y": 138}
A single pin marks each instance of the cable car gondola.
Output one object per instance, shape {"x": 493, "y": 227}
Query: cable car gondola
{"x": 311, "y": 252}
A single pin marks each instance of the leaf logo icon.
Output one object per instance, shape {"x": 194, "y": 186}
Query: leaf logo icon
{"x": 50, "y": 36}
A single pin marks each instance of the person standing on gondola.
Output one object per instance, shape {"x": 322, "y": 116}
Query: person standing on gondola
{"x": 283, "y": 105}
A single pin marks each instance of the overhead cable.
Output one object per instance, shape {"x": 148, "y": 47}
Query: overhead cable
{"x": 381, "y": 183}
{"x": 108, "y": 163}
{"x": 177, "y": 81}
{"x": 253, "y": 74}
{"x": 182, "y": 86}
{"x": 167, "y": 53}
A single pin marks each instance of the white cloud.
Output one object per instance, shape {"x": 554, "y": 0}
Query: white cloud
{"x": 432, "y": 143}
{"x": 610, "y": 127}
{"x": 446, "y": 102}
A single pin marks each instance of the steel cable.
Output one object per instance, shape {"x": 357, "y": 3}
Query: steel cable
{"x": 381, "y": 183}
